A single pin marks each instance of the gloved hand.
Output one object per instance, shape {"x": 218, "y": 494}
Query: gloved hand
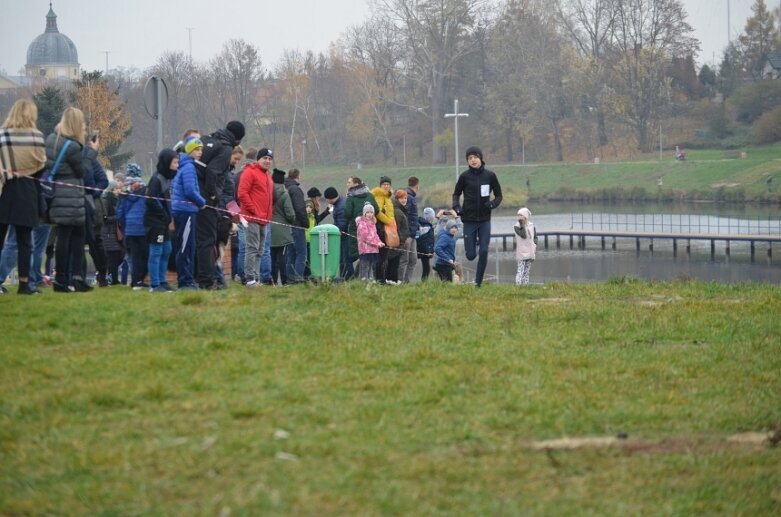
{"x": 233, "y": 210}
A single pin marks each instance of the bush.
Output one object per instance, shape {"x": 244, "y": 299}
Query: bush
{"x": 767, "y": 129}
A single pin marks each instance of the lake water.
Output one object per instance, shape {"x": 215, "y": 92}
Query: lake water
{"x": 594, "y": 264}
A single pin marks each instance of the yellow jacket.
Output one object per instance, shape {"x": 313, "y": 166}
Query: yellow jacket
{"x": 384, "y": 205}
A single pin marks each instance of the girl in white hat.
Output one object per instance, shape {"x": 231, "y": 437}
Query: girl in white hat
{"x": 525, "y": 245}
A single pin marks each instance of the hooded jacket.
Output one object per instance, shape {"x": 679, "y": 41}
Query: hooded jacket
{"x": 525, "y": 236}
{"x": 214, "y": 177}
{"x": 185, "y": 193}
{"x": 282, "y": 234}
{"x": 476, "y": 185}
{"x": 299, "y": 202}
{"x": 158, "y": 211}
{"x": 384, "y": 211}
{"x": 357, "y": 196}
{"x": 130, "y": 213}
{"x": 255, "y": 194}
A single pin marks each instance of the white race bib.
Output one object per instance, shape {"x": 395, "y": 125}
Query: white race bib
{"x": 485, "y": 190}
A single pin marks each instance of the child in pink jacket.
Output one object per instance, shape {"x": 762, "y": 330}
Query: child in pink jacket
{"x": 369, "y": 242}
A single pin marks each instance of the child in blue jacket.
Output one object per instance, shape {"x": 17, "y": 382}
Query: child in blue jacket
{"x": 186, "y": 201}
{"x": 445, "y": 251}
{"x": 130, "y": 218}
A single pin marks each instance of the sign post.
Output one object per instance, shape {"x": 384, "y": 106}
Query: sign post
{"x": 155, "y": 102}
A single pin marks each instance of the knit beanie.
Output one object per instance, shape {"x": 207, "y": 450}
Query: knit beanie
{"x": 191, "y": 144}
{"x": 474, "y": 150}
{"x": 367, "y": 207}
{"x": 265, "y": 152}
{"x": 331, "y": 193}
{"x": 429, "y": 214}
{"x": 313, "y": 192}
{"x": 451, "y": 223}
{"x": 385, "y": 179}
{"x": 236, "y": 128}
{"x": 133, "y": 170}
{"x": 278, "y": 176}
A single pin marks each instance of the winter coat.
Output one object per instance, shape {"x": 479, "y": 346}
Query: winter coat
{"x": 412, "y": 211}
{"x": 67, "y": 207}
{"x": 340, "y": 221}
{"x": 426, "y": 238}
{"x": 476, "y": 186}
{"x": 19, "y": 201}
{"x": 109, "y": 229}
{"x": 299, "y": 202}
{"x": 368, "y": 240}
{"x": 185, "y": 193}
{"x": 214, "y": 176}
{"x": 256, "y": 194}
{"x": 357, "y": 196}
{"x": 282, "y": 234}
{"x": 130, "y": 213}
{"x": 445, "y": 249}
{"x": 384, "y": 213}
{"x": 525, "y": 240}
{"x": 95, "y": 177}
{"x": 157, "y": 216}
{"x": 402, "y": 222}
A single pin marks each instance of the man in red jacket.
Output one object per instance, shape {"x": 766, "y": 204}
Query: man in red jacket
{"x": 256, "y": 192}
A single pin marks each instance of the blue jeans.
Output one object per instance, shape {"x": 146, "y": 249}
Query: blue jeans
{"x": 296, "y": 258}
{"x": 185, "y": 251}
{"x": 265, "y": 259}
{"x": 474, "y": 234}
{"x": 158, "y": 262}
{"x": 40, "y": 239}
{"x": 8, "y": 257}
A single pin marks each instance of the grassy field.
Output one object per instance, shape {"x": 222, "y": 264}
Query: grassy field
{"x": 418, "y": 399}
{"x": 705, "y": 175}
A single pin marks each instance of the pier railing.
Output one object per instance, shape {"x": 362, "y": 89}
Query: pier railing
{"x": 675, "y": 223}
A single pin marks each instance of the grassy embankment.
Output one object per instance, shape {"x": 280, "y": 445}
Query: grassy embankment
{"x": 421, "y": 399}
{"x": 705, "y": 176}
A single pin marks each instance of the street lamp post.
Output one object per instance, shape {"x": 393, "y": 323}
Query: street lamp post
{"x": 303, "y": 152}
{"x": 456, "y": 115}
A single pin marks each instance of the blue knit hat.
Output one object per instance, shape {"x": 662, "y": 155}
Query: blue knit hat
{"x": 133, "y": 170}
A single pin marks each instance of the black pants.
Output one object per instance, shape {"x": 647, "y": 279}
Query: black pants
{"x": 382, "y": 265}
{"x": 24, "y": 247}
{"x": 113, "y": 260}
{"x": 445, "y": 272}
{"x": 392, "y": 269}
{"x": 205, "y": 246}
{"x": 279, "y": 264}
{"x": 96, "y": 251}
{"x": 139, "y": 255}
{"x": 68, "y": 253}
{"x": 425, "y": 262}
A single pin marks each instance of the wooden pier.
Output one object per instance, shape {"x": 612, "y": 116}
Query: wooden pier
{"x": 577, "y": 238}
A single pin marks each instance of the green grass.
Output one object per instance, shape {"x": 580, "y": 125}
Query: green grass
{"x": 705, "y": 175}
{"x": 418, "y": 399}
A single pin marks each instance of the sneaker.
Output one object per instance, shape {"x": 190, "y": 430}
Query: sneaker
{"x": 27, "y": 289}
{"x": 47, "y": 280}
{"x": 158, "y": 289}
{"x": 141, "y": 286}
{"x": 3, "y": 290}
{"x": 167, "y": 287}
{"x": 62, "y": 288}
{"x": 81, "y": 286}
{"x": 252, "y": 284}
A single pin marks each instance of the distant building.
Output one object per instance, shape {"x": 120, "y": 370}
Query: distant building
{"x": 772, "y": 68}
{"x": 7, "y": 83}
{"x": 52, "y": 56}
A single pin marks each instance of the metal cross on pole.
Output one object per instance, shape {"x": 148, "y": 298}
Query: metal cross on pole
{"x": 456, "y": 115}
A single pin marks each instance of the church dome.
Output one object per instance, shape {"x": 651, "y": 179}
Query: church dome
{"x": 52, "y": 47}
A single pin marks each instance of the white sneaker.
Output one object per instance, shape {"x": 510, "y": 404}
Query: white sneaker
{"x": 252, "y": 284}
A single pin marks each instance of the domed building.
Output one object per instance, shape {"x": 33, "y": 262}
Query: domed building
{"x": 52, "y": 55}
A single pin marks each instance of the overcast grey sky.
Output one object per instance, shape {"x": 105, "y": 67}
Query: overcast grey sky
{"x": 136, "y": 32}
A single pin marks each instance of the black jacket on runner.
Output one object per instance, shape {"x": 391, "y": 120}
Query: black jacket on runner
{"x": 477, "y": 185}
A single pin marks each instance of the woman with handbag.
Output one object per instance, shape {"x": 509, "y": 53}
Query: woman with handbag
{"x": 386, "y": 222}
{"x": 66, "y": 209}
{"x": 21, "y": 155}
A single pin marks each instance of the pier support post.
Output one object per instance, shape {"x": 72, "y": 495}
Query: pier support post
{"x": 713, "y": 247}
{"x": 571, "y": 242}
{"x": 614, "y": 243}
{"x": 637, "y": 244}
{"x": 603, "y": 242}
{"x": 546, "y": 242}
{"x": 675, "y": 247}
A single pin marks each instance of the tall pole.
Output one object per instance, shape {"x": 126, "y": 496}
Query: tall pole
{"x": 660, "y": 142}
{"x": 107, "y": 52}
{"x": 729, "y": 25}
{"x": 159, "y": 114}
{"x": 456, "y": 115}
{"x": 190, "y": 39}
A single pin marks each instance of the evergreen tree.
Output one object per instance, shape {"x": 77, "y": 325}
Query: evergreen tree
{"x": 51, "y": 104}
{"x": 758, "y": 39}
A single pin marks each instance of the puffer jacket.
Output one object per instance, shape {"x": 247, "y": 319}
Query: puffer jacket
{"x": 185, "y": 194}
{"x": 357, "y": 196}
{"x": 130, "y": 213}
{"x": 67, "y": 207}
{"x": 384, "y": 213}
{"x": 299, "y": 202}
{"x": 283, "y": 213}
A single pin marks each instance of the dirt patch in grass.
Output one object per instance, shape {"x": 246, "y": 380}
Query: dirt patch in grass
{"x": 673, "y": 445}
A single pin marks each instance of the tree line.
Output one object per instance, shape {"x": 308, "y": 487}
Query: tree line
{"x": 541, "y": 80}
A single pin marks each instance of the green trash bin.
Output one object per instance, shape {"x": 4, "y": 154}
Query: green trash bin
{"x": 325, "y": 245}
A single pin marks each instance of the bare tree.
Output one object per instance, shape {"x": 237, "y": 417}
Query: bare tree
{"x": 435, "y": 34}
{"x": 238, "y": 72}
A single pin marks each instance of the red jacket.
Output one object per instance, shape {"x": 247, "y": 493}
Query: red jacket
{"x": 256, "y": 194}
